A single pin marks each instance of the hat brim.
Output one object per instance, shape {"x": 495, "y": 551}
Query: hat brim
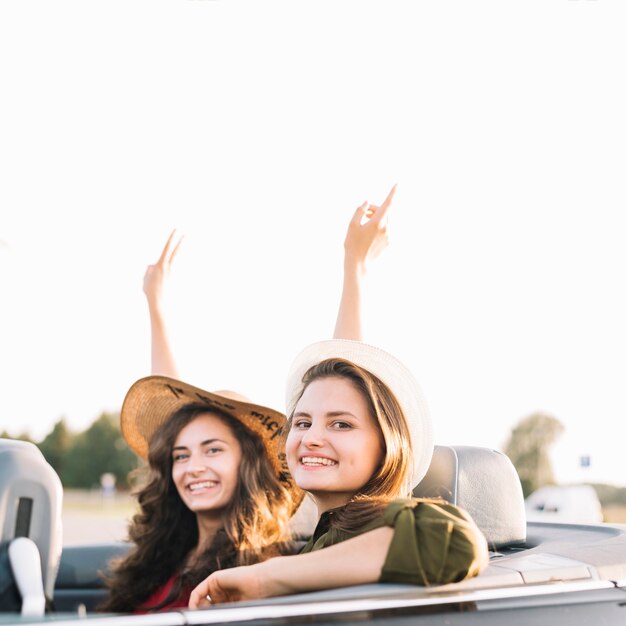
{"x": 390, "y": 371}
{"x": 152, "y": 400}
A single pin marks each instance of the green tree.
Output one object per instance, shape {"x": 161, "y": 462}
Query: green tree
{"x": 97, "y": 450}
{"x": 23, "y": 437}
{"x": 528, "y": 448}
{"x": 56, "y": 445}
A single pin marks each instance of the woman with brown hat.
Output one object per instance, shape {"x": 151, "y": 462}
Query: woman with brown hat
{"x": 359, "y": 440}
{"x": 217, "y": 491}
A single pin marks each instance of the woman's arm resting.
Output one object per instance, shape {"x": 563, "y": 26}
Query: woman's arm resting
{"x": 353, "y": 562}
{"x": 363, "y": 242}
{"x": 425, "y": 542}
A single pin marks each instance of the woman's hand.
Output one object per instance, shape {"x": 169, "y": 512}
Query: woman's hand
{"x": 232, "y": 585}
{"x": 156, "y": 274}
{"x": 367, "y": 233}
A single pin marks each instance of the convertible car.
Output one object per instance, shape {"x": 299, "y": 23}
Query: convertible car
{"x": 539, "y": 573}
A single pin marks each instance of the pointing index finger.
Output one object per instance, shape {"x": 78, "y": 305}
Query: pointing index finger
{"x": 384, "y": 207}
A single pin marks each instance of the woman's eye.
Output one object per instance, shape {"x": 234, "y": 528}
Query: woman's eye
{"x": 302, "y": 424}
{"x": 179, "y": 456}
{"x": 212, "y": 451}
{"x": 341, "y": 425}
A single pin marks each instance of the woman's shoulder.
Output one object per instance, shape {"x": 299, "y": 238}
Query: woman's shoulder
{"x": 423, "y": 508}
{"x": 456, "y": 548}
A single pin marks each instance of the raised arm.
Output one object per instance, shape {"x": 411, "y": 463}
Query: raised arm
{"x": 162, "y": 359}
{"x": 365, "y": 239}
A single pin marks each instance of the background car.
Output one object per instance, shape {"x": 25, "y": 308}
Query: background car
{"x": 564, "y": 503}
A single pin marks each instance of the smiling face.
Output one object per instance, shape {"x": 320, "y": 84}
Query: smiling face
{"x": 205, "y": 464}
{"x": 334, "y": 445}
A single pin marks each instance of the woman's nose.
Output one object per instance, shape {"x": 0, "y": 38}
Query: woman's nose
{"x": 313, "y": 437}
{"x": 196, "y": 465}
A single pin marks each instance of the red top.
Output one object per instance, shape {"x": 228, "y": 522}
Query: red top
{"x": 160, "y": 594}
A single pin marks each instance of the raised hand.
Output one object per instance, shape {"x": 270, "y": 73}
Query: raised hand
{"x": 157, "y": 273}
{"x": 367, "y": 232}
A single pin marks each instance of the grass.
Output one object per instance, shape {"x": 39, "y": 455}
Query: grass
{"x": 615, "y": 513}
{"x": 88, "y": 503}
{"x": 85, "y": 502}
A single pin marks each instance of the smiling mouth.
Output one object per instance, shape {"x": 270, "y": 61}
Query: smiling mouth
{"x": 317, "y": 461}
{"x": 205, "y": 484}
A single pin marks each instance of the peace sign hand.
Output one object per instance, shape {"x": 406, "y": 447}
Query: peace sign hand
{"x": 156, "y": 274}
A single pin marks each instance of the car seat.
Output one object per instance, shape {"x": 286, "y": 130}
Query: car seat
{"x": 485, "y": 483}
{"x": 30, "y": 521}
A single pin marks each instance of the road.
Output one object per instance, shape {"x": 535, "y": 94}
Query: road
{"x": 91, "y": 517}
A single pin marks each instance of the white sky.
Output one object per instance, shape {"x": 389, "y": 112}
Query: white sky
{"x": 256, "y": 128}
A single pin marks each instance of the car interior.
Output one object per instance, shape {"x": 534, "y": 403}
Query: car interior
{"x": 480, "y": 480}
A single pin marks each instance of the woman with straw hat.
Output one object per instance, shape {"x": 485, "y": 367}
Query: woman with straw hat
{"x": 217, "y": 491}
{"x": 359, "y": 440}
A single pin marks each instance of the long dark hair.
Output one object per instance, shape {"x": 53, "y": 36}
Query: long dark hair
{"x": 165, "y": 531}
{"x": 391, "y": 477}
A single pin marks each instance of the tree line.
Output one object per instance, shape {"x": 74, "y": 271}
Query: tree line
{"x": 80, "y": 458}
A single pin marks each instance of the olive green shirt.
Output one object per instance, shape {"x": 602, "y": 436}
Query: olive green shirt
{"x": 433, "y": 543}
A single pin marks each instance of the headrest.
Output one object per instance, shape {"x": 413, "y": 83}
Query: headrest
{"x": 484, "y": 483}
{"x": 31, "y": 497}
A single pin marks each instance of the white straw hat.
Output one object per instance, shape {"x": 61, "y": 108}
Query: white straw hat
{"x": 390, "y": 371}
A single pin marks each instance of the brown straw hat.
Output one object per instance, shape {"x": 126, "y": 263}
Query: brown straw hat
{"x": 154, "y": 399}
